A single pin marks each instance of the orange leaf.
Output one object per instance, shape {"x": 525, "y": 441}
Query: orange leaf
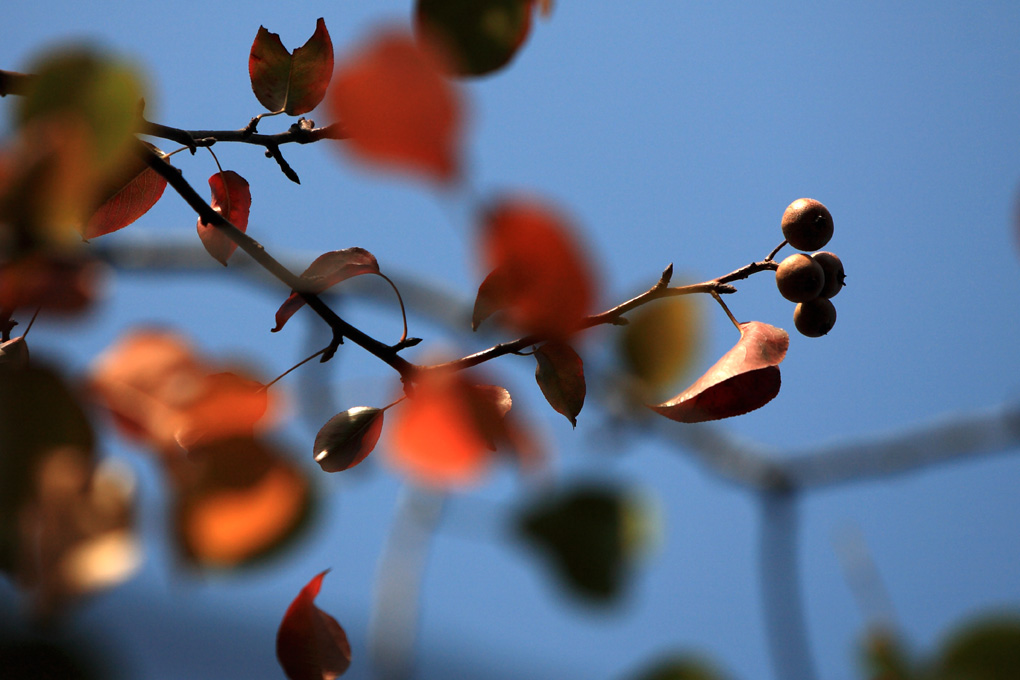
{"x": 231, "y": 197}
{"x": 444, "y": 433}
{"x": 236, "y": 501}
{"x": 397, "y": 108}
{"x": 744, "y": 379}
{"x": 544, "y": 278}
{"x": 311, "y": 644}
{"x": 137, "y": 189}
{"x": 161, "y": 392}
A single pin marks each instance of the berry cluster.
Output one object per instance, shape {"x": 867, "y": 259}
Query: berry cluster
{"x": 810, "y": 280}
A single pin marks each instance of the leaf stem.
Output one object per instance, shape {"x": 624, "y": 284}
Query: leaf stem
{"x": 726, "y": 309}
{"x": 297, "y": 365}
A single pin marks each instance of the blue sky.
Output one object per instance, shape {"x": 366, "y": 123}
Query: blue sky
{"x": 671, "y": 132}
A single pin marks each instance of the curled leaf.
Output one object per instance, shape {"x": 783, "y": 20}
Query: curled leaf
{"x": 744, "y": 379}
{"x": 294, "y": 84}
{"x": 231, "y": 197}
{"x": 560, "y": 375}
{"x": 311, "y": 644}
{"x": 132, "y": 193}
{"x": 327, "y": 270}
{"x": 491, "y": 297}
{"x": 347, "y": 438}
{"x": 13, "y": 354}
{"x": 545, "y": 280}
{"x": 397, "y": 108}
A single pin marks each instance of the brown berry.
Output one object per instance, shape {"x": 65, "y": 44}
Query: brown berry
{"x": 799, "y": 278}
{"x": 834, "y": 276}
{"x": 807, "y": 224}
{"x": 814, "y": 318}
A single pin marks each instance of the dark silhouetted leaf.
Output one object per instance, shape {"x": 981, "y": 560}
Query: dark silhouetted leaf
{"x": 133, "y": 194}
{"x": 586, "y": 531}
{"x": 482, "y": 36}
{"x": 347, "y": 438}
{"x": 491, "y": 298}
{"x": 327, "y": 270}
{"x": 398, "y": 110}
{"x": 231, "y": 197}
{"x": 310, "y": 644}
{"x": 294, "y": 83}
{"x": 683, "y": 667}
{"x": 988, "y": 649}
{"x": 13, "y": 354}
{"x": 744, "y": 379}
{"x": 560, "y": 374}
{"x": 545, "y": 281}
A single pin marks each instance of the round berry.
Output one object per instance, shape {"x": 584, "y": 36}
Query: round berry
{"x": 807, "y": 224}
{"x": 833, "y": 269}
{"x": 814, "y": 318}
{"x": 799, "y": 278}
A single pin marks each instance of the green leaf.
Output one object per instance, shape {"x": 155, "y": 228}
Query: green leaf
{"x": 681, "y": 667}
{"x": 986, "y": 649}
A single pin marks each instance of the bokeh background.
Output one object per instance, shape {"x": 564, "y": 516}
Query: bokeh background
{"x": 670, "y": 132}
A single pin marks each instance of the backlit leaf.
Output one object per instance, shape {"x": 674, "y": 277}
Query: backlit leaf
{"x": 231, "y": 197}
{"x": 327, "y": 270}
{"x": 101, "y": 92}
{"x": 311, "y": 644}
{"x": 443, "y": 435}
{"x": 236, "y": 501}
{"x": 744, "y": 379}
{"x": 294, "y": 83}
{"x": 545, "y": 279}
{"x": 661, "y": 342}
{"x": 130, "y": 197}
{"x": 347, "y": 438}
{"x": 398, "y": 110}
{"x": 482, "y": 36}
{"x": 160, "y": 391}
{"x": 560, "y": 374}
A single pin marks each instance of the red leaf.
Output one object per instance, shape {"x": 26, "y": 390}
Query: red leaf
{"x": 231, "y": 197}
{"x": 397, "y": 108}
{"x": 545, "y": 280}
{"x": 310, "y": 644}
{"x": 490, "y": 298}
{"x": 294, "y": 83}
{"x": 744, "y": 379}
{"x": 57, "y": 284}
{"x": 327, "y": 270}
{"x": 560, "y": 374}
{"x": 138, "y": 190}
